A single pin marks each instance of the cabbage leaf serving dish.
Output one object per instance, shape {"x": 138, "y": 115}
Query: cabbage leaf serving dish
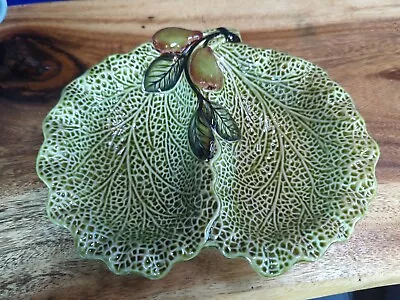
{"x": 198, "y": 140}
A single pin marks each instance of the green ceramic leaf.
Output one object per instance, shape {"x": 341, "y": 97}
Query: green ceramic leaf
{"x": 200, "y": 135}
{"x": 120, "y": 171}
{"x": 292, "y": 171}
{"x": 303, "y": 172}
{"x": 163, "y": 73}
{"x": 224, "y": 124}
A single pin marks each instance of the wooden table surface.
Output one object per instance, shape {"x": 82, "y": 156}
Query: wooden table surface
{"x": 45, "y": 46}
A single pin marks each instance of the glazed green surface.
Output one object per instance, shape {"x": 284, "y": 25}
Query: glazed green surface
{"x": 121, "y": 175}
{"x": 123, "y": 179}
{"x": 303, "y": 172}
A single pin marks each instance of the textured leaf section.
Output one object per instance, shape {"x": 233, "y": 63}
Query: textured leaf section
{"x": 163, "y": 73}
{"x": 120, "y": 171}
{"x": 304, "y": 170}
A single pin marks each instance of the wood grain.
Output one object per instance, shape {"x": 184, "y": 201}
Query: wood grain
{"x": 42, "y": 47}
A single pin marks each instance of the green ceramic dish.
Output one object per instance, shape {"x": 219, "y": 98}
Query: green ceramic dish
{"x": 150, "y": 157}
